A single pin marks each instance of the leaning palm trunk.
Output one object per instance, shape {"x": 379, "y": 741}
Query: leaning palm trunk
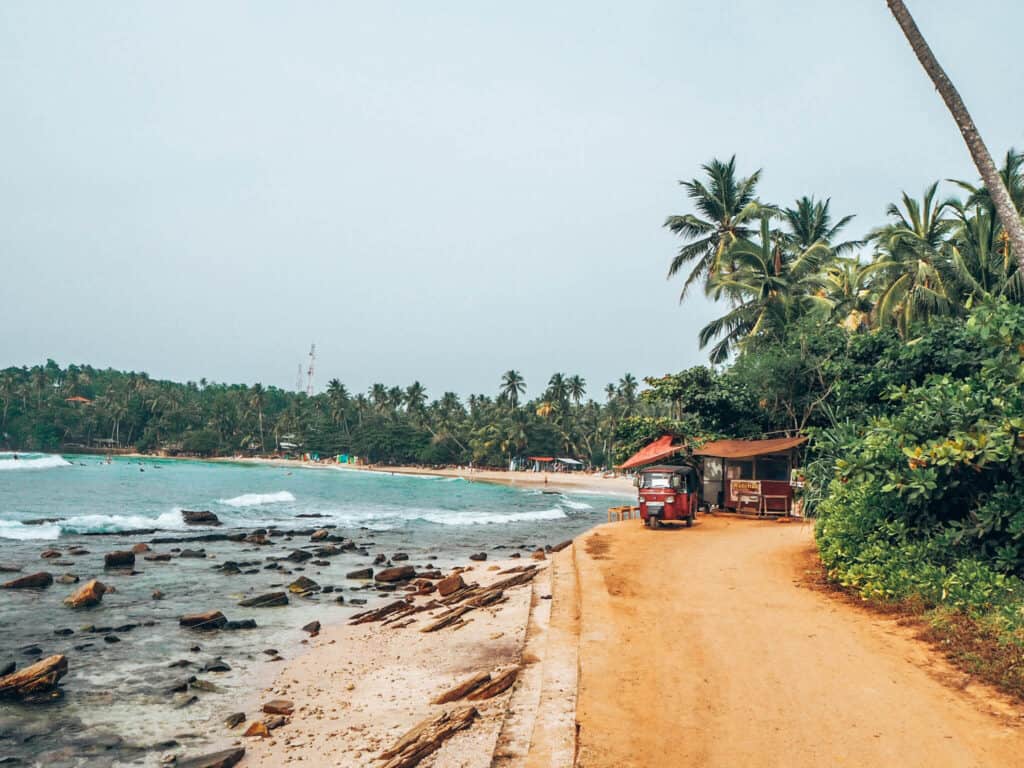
{"x": 1008, "y": 214}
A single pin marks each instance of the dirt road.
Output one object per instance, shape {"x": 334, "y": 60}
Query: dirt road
{"x": 704, "y": 647}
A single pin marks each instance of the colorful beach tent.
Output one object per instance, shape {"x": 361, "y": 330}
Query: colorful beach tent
{"x": 662, "y": 448}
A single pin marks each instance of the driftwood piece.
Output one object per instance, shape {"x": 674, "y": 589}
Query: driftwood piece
{"x": 379, "y": 614}
{"x": 447, "y": 619}
{"x": 427, "y": 737}
{"x": 502, "y": 682}
{"x": 463, "y": 689}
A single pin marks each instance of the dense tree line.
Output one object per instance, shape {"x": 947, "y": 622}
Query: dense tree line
{"x": 47, "y": 407}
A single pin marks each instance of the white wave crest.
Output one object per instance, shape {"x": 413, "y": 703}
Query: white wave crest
{"x": 492, "y": 518}
{"x": 31, "y": 461}
{"x": 12, "y": 529}
{"x": 168, "y": 521}
{"x": 258, "y": 499}
{"x": 576, "y": 504}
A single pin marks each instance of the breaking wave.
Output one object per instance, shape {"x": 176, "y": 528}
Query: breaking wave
{"x": 12, "y": 529}
{"x": 258, "y": 499}
{"x": 493, "y": 518}
{"x": 31, "y": 461}
{"x": 576, "y": 504}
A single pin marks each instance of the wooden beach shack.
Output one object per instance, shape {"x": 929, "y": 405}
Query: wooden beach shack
{"x": 750, "y": 475}
{"x": 660, "y": 450}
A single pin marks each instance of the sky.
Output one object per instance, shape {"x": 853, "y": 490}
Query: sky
{"x": 437, "y": 191}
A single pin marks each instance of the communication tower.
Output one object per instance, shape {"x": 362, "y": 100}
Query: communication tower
{"x": 298, "y": 379}
{"x": 309, "y": 373}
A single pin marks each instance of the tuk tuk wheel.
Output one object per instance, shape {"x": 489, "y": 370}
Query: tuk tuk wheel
{"x": 689, "y": 521}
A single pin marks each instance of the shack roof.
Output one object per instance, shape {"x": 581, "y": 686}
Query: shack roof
{"x": 746, "y": 449}
{"x": 660, "y": 449}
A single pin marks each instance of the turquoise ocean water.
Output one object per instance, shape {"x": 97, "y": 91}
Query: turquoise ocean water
{"x": 119, "y": 706}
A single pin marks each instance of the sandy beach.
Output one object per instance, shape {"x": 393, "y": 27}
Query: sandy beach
{"x": 587, "y": 482}
{"x": 361, "y": 686}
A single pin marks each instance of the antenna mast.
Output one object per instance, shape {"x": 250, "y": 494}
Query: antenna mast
{"x": 309, "y": 373}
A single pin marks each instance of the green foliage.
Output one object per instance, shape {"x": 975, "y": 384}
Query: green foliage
{"x": 925, "y": 500}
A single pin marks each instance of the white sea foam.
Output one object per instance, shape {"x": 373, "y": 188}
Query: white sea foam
{"x": 12, "y": 529}
{"x": 31, "y": 461}
{"x": 576, "y": 504}
{"x": 491, "y": 518}
{"x": 112, "y": 523}
{"x": 258, "y": 499}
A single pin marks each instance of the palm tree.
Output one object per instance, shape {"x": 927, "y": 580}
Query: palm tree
{"x": 576, "y": 388}
{"x": 628, "y": 387}
{"x": 981, "y": 258}
{"x": 557, "y": 389}
{"x": 1009, "y": 216}
{"x": 810, "y": 222}
{"x": 415, "y": 397}
{"x": 768, "y": 289}
{"x": 338, "y": 397}
{"x": 912, "y": 266}
{"x": 724, "y": 205}
{"x": 257, "y": 399}
{"x": 847, "y": 293}
{"x": 512, "y": 386}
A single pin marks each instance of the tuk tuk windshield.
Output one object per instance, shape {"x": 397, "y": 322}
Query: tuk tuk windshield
{"x": 660, "y": 480}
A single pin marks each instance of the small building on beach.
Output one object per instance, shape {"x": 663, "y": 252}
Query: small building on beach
{"x": 749, "y": 475}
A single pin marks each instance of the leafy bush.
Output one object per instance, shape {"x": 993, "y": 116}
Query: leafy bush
{"x": 926, "y": 499}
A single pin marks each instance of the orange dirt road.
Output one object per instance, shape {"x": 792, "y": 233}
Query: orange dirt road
{"x": 702, "y": 647}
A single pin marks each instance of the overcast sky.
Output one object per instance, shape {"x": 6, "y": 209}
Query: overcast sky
{"x": 437, "y": 191}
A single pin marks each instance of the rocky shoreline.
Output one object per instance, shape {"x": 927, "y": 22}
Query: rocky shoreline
{"x": 197, "y": 647}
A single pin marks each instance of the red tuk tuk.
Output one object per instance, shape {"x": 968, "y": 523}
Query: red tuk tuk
{"x": 667, "y": 493}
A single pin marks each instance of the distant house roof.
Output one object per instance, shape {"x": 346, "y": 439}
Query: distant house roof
{"x": 660, "y": 449}
{"x": 570, "y": 461}
{"x": 745, "y": 449}
{"x": 541, "y": 458}
{"x": 77, "y": 399}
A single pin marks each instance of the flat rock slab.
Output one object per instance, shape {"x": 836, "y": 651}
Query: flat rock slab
{"x": 35, "y": 581}
{"x": 225, "y": 759}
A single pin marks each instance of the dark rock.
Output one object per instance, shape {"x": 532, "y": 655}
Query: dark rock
{"x": 157, "y": 594}
{"x": 225, "y": 759}
{"x": 478, "y": 557}
{"x": 270, "y": 600}
{"x": 362, "y": 573}
{"x": 243, "y": 624}
{"x": 119, "y": 559}
{"x": 313, "y": 628}
{"x": 299, "y": 556}
{"x": 196, "y": 553}
{"x": 49, "y": 554}
{"x": 204, "y": 621}
{"x": 140, "y": 548}
{"x": 187, "y": 702}
{"x": 379, "y": 560}
{"x": 340, "y": 599}
{"x": 180, "y": 663}
{"x": 36, "y": 681}
{"x": 279, "y": 707}
{"x": 400, "y": 573}
{"x": 399, "y": 556}
{"x": 90, "y": 594}
{"x": 230, "y": 568}
{"x": 6, "y": 669}
{"x": 234, "y": 720}
{"x": 328, "y": 550}
{"x": 63, "y": 632}
{"x": 112, "y": 639}
{"x": 32, "y": 650}
{"x": 67, "y": 578}
{"x": 35, "y": 581}
{"x": 449, "y": 585}
{"x": 217, "y": 665}
{"x": 8, "y": 568}
{"x": 327, "y": 590}
{"x": 303, "y": 585}
{"x": 357, "y": 601}
{"x": 199, "y": 518}
{"x": 320, "y": 535}
{"x": 561, "y": 545}
{"x": 163, "y": 557}
{"x": 319, "y": 563}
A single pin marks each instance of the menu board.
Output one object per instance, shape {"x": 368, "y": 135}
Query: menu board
{"x": 744, "y": 487}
